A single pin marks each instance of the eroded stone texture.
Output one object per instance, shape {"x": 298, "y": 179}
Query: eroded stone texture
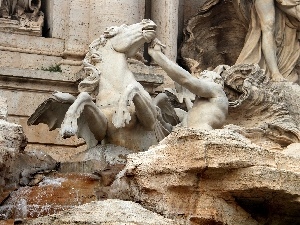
{"x": 12, "y": 136}
{"x": 216, "y": 177}
{"x": 3, "y": 108}
{"x": 109, "y": 212}
{"x": 19, "y": 168}
{"x": 16, "y": 166}
{"x": 96, "y": 159}
{"x": 105, "y": 161}
{"x": 84, "y": 178}
{"x": 267, "y": 112}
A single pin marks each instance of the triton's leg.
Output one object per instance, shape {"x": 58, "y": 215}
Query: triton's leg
{"x": 266, "y": 13}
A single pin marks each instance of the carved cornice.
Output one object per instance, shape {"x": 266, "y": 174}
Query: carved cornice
{"x": 30, "y": 44}
{"x": 36, "y": 81}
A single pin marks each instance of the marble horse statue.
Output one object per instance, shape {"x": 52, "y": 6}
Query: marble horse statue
{"x": 112, "y": 107}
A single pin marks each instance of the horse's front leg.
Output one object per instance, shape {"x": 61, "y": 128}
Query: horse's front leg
{"x": 145, "y": 110}
{"x": 92, "y": 120}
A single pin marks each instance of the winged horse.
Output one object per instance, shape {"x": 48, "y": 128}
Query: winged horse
{"x": 112, "y": 106}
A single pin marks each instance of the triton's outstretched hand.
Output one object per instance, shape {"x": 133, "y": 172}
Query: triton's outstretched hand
{"x": 211, "y": 105}
{"x": 157, "y": 45}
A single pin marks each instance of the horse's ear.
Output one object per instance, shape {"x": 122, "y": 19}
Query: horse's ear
{"x": 111, "y": 31}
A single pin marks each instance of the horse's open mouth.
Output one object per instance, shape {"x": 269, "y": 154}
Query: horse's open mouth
{"x": 149, "y": 32}
{"x": 149, "y": 28}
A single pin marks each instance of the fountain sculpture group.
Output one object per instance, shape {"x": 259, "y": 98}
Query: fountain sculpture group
{"x": 113, "y": 108}
{"x": 124, "y": 113}
{"x": 221, "y": 153}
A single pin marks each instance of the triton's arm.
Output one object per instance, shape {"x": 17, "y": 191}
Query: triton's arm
{"x": 181, "y": 76}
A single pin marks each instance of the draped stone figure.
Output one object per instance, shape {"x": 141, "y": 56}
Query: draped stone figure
{"x": 245, "y": 32}
{"x": 272, "y": 40}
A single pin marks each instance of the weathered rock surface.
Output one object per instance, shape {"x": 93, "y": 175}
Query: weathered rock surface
{"x": 105, "y": 161}
{"x": 99, "y": 158}
{"x": 109, "y": 212}
{"x": 85, "y": 178}
{"x": 216, "y": 177}
{"x": 3, "y": 108}
{"x": 18, "y": 167}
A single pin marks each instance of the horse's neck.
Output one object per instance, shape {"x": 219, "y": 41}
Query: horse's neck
{"x": 115, "y": 75}
{"x": 112, "y": 62}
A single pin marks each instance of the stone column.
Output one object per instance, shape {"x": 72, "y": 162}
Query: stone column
{"x": 77, "y": 30}
{"x": 165, "y": 14}
{"x": 56, "y": 18}
{"x": 113, "y": 13}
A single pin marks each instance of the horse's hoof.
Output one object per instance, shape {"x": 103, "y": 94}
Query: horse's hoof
{"x": 68, "y": 131}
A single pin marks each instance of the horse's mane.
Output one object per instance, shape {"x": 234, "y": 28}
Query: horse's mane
{"x": 91, "y": 82}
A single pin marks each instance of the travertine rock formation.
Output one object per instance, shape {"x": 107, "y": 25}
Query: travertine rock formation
{"x": 84, "y": 178}
{"x": 18, "y": 167}
{"x": 49, "y": 194}
{"x": 109, "y": 212}
{"x": 216, "y": 177}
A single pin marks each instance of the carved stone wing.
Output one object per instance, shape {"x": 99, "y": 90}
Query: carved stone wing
{"x": 50, "y": 112}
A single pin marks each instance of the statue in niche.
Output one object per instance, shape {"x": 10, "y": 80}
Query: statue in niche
{"x": 210, "y": 108}
{"x": 26, "y": 13}
{"x": 112, "y": 106}
{"x": 272, "y": 40}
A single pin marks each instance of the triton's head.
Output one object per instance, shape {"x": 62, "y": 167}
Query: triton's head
{"x": 211, "y": 76}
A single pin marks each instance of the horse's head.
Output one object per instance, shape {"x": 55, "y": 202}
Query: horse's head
{"x": 128, "y": 39}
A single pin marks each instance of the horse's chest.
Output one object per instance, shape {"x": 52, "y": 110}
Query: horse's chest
{"x": 109, "y": 112}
